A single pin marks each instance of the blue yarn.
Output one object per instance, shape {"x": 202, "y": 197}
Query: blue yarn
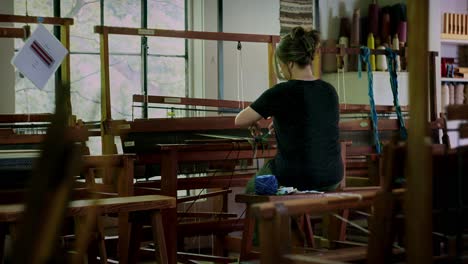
{"x": 266, "y": 185}
{"x": 365, "y": 54}
{"x": 392, "y": 65}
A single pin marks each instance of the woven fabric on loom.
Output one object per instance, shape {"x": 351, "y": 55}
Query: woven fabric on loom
{"x": 296, "y": 13}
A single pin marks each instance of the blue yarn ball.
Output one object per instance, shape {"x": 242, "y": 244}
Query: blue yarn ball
{"x": 266, "y": 185}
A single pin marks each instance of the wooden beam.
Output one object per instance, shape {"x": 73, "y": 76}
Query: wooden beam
{"x": 418, "y": 199}
{"x": 187, "y": 34}
{"x": 18, "y": 118}
{"x": 36, "y": 20}
{"x": 171, "y": 100}
{"x": 6, "y": 32}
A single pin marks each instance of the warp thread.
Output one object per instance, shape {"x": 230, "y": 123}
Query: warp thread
{"x": 266, "y": 185}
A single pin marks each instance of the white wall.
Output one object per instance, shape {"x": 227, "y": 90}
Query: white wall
{"x": 7, "y": 73}
{"x": 254, "y": 17}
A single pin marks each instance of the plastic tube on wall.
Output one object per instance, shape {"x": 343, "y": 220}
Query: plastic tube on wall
{"x": 371, "y": 45}
{"x": 445, "y": 100}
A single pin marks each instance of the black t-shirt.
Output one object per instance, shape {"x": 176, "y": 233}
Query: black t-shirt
{"x": 306, "y": 116}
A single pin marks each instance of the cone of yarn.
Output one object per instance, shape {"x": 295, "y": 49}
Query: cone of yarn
{"x": 345, "y": 27}
{"x": 371, "y": 45}
{"x": 396, "y": 46}
{"x": 373, "y": 20}
{"x": 329, "y": 59}
{"x": 451, "y": 94}
{"x": 466, "y": 93}
{"x": 444, "y": 97}
{"x": 385, "y": 32}
{"x": 402, "y": 31}
{"x": 266, "y": 185}
{"x": 345, "y": 42}
{"x": 355, "y": 29}
{"x": 381, "y": 61}
{"x": 459, "y": 93}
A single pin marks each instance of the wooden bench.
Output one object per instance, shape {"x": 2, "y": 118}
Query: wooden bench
{"x": 336, "y": 230}
{"x": 275, "y": 217}
{"x": 136, "y": 206}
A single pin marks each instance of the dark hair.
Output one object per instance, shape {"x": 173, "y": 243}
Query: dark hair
{"x": 298, "y": 46}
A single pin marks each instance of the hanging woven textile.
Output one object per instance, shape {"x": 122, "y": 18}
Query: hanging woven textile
{"x": 365, "y": 57}
{"x": 295, "y": 13}
{"x": 392, "y": 66}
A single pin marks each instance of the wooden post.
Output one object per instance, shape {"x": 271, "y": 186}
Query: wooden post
{"x": 418, "y": 200}
{"x": 106, "y": 114}
{"x": 66, "y": 79}
{"x": 271, "y": 64}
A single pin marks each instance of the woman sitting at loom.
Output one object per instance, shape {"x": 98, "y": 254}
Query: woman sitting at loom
{"x": 305, "y": 114}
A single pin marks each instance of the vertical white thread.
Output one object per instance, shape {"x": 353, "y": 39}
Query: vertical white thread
{"x": 241, "y": 76}
{"x": 238, "y": 79}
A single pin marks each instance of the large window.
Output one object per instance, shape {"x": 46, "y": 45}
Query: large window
{"x": 166, "y": 65}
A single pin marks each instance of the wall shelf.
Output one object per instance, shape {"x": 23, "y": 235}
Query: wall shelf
{"x": 454, "y": 41}
{"x": 453, "y": 80}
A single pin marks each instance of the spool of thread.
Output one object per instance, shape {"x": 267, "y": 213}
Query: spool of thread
{"x": 381, "y": 61}
{"x": 385, "y": 36}
{"x": 266, "y": 185}
{"x": 373, "y": 19}
{"x": 451, "y": 94}
{"x": 402, "y": 32}
{"x": 371, "y": 45}
{"x": 343, "y": 63}
{"x": 445, "y": 100}
{"x": 329, "y": 59}
{"x": 459, "y": 94}
{"x": 355, "y": 29}
{"x": 396, "y": 46}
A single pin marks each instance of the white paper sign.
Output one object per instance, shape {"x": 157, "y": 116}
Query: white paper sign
{"x": 40, "y": 56}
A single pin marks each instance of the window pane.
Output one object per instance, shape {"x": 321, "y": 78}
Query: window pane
{"x": 125, "y": 44}
{"x": 166, "y": 14}
{"x": 166, "y": 46}
{"x": 86, "y": 87}
{"x": 122, "y": 13}
{"x": 41, "y": 8}
{"x": 30, "y": 99}
{"x": 125, "y": 80}
{"x": 86, "y": 15}
{"x": 166, "y": 76}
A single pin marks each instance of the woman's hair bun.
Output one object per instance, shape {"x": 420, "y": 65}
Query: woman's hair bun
{"x": 297, "y": 32}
